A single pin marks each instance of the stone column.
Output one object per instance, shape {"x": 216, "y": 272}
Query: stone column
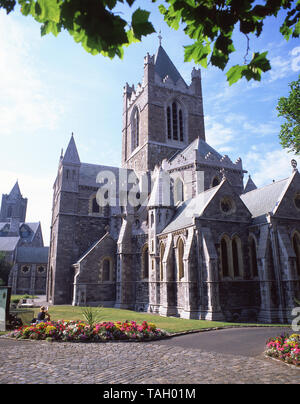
{"x": 213, "y": 311}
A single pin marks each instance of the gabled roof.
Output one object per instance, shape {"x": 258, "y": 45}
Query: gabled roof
{"x": 93, "y": 246}
{"x": 264, "y": 200}
{"x": 165, "y": 67}
{"x": 32, "y": 226}
{"x": 202, "y": 148}
{"x": 188, "y": 210}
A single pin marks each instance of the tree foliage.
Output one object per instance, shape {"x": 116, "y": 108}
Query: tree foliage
{"x": 5, "y": 268}
{"x": 98, "y": 26}
{"x": 289, "y": 109}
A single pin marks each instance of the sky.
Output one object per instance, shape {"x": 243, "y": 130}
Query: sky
{"x": 51, "y": 87}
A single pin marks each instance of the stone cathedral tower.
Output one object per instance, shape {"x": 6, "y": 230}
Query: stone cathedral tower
{"x": 162, "y": 116}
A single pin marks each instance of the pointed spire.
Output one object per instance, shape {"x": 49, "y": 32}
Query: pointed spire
{"x": 164, "y": 66}
{"x": 71, "y": 154}
{"x": 250, "y": 186}
{"x": 15, "y": 192}
{"x": 161, "y": 195}
{"x": 159, "y": 37}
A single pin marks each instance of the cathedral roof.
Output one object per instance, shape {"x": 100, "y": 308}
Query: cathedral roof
{"x": 8, "y": 243}
{"x": 202, "y": 148}
{"x": 165, "y": 67}
{"x": 71, "y": 154}
{"x": 36, "y": 255}
{"x": 263, "y": 200}
{"x": 15, "y": 192}
{"x": 188, "y": 210}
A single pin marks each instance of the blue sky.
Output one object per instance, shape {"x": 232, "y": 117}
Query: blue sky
{"x": 50, "y": 87}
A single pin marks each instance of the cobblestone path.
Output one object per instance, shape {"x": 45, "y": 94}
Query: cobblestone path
{"x": 141, "y": 363}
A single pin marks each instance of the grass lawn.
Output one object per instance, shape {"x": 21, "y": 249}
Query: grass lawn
{"x": 169, "y": 324}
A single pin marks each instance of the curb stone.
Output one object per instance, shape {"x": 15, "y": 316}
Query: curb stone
{"x": 280, "y": 361}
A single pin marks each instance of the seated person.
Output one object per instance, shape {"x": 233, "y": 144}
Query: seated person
{"x": 43, "y": 315}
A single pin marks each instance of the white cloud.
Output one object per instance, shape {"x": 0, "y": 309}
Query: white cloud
{"x": 25, "y": 99}
{"x": 265, "y": 167}
{"x": 216, "y": 133}
{"x": 295, "y": 53}
{"x": 284, "y": 67}
{"x": 262, "y": 129}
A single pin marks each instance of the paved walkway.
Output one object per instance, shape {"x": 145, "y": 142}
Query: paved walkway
{"x": 42, "y": 362}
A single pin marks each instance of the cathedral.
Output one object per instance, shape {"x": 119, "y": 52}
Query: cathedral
{"x": 173, "y": 231}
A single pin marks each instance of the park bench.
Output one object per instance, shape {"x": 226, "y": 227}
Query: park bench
{"x": 26, "y": 303}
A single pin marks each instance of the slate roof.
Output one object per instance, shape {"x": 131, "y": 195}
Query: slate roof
{"x": 88, "y": 173}
{"x": 165, "y": 67}
{"x": 250, "y": 186}
{"x": 188, "y": 210}
{"x": 33, "y": 227}
{"x": 15, "y": 193}
{"x": 263, "y": 200}
{"x": 71, "y": 154}
{"x": 202, "y": 148}
{"x": 8, "y": 243}
{"x": 34, "y": 255}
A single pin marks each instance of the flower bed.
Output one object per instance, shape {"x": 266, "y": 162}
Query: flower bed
{"x": 286, "y": 348}
{"x": 80, "y": 331}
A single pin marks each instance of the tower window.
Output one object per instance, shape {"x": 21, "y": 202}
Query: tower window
{"x": 175, "y": 122}
{"x": 135, "y": 128}
{"x": 9, "y": 211}
{"x": 169, "y": 123}
{"x": 296, "y": 246}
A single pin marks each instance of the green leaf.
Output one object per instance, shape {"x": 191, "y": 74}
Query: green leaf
{"x": 49, "y": 10}
{"x": 197, "y": 52}
{"x": 140, "y": 24}
{"x": 260, "y": 61}
{"x": 235, "y": 73}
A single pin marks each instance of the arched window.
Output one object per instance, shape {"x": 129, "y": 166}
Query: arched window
{"x": 135, "y": 121}
{"x": 235, "y": 257}
{"x": 9, "y": 211}
{"x": 145, "y": 262}
{"x": 296, "y": 247}
{"x": 161, "y": 257}
{"x": 175, "y": 122}
{"x": 94, "y": 208}
{"x": 215, "y": 182}
{"x": 178, "y": 191}
{"x": 253, "y": 257}
{"x": 107, "y": 270}
{"x": 180, "y": 249}
{"x": 25, "y": 231}
{"x": 224, "y": 257}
